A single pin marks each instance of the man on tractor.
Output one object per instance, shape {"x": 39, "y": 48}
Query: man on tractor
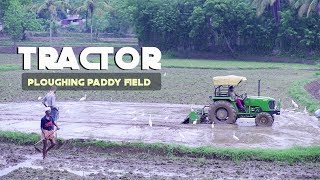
{"x": 226, "y": 106}
{"x": 239, "y": 101}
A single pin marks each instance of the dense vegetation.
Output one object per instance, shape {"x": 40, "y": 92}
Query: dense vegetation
{"x": 224, "y": 25}
{"x": 243, "y": 26}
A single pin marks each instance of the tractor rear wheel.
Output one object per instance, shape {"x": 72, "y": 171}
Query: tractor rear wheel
{"x": 222, "y": 112}
{"x": 264, "y": 119}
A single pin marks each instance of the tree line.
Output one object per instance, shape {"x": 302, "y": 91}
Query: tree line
{"x": 242, "y": 26}
{"x": 257, "y": 26}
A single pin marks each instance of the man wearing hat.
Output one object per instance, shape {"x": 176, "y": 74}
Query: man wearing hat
{"x": 47, "y": 131}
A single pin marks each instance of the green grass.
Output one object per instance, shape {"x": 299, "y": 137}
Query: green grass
{"x": 219, "y": 64}
{"x": 295, "y": 154}
{"x": 9, "y": 67}
{"x": 291, "y": 155}
{"x": 297, "y": 91}
{"x": 19, "y": 137}
{"x": 230, "y": 64}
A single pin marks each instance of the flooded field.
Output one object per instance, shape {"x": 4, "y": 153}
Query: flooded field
{"x": 132, "y": 122}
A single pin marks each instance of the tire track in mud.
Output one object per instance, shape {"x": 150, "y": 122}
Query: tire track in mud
{"x": 130, "y": 122}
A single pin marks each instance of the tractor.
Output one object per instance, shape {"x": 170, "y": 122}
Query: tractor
{"x": 225, "y": 110}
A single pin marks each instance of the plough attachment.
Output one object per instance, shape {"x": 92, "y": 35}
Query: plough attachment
{"x": 197, "y": 116}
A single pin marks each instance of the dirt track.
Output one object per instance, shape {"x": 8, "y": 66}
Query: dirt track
{"x": 21, "y": 162}
{"x": 130, "y": 122}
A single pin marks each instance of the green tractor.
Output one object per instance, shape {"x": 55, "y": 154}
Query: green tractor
{"x": 224, "y": 108}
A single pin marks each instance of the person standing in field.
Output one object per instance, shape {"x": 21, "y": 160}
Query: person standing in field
{"x": 50, "y": 101}
{"x": 47, "y": 131}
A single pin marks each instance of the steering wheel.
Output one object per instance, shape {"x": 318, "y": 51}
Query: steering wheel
{"x": 243, "y": 96}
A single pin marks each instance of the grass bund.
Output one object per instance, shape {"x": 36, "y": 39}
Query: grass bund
{"x": 9, "y": 67}
{"x": 290, "y": 155}
{"x": 298, "y": 92}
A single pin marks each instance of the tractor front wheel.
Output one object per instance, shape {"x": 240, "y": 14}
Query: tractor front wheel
{"x": 222, "y": 112}
{"x": 264, "y": 119}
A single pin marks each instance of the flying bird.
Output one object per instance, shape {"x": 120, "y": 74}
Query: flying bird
{"x": 150, "y": 122}
{"x": 83, "y": 98}
{"x": 295, "y": 105}
{"x": 235, "y": 137}
{"x": 166, "y": 118}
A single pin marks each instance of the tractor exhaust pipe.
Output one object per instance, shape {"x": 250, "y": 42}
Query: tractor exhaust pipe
{"x": 259, "y": 86}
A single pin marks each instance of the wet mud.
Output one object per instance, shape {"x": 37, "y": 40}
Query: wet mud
{"x": 131, "y": 122}
{"x": 77, "y": 163}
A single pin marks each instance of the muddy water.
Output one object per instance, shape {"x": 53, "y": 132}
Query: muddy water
{"x": 130, "y": 122}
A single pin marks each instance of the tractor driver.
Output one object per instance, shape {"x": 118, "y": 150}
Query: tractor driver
{"x": 239, "y": 101}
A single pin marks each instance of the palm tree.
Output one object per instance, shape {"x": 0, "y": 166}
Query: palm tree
{"x": 306, "y": 6}
{"x": 261, "y": 6}
{"x": 94, "y": 7}
{"x": 51, "y": 6}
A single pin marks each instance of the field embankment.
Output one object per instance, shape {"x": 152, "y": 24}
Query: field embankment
{"x": 80, "y": 159}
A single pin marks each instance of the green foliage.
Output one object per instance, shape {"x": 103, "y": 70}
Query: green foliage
{"x": 222, "y": 26}
{"x": 17, "y": 20}
{"x": 306, "y": 6}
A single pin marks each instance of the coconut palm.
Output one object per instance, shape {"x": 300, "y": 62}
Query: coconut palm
{"x": 306, "y": 6}
{"x": 262, "y": 5}
{"x": 51, "y": 6}
{"x": 94, "y": 7}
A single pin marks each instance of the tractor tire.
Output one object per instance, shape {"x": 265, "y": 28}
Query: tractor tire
{"x": 186, "y": 120}
{"x": 222, "y": 112}
{"x": 264, "y": 119}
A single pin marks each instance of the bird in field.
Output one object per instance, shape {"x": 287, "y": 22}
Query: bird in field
{"x": 212, "y": 125}
{"x": 305, "y": 110}
{"x": 83, "y": 98}
{"x": 295, "y": 105}
{"x": 235, "y": 137}
{"x": 39, "y": 98}
{"x": 194, "y": 122}
{"x": 317, "y": 113}
{"x": 150, "y": 122}
{"x": 181, "y": 135}
{"x": 134, "y": 119}
{"x": 166, "y": 118}
{"x": 165, "y": 74}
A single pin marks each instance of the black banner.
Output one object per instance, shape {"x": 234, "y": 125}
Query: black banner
{"x": 92, "y": 81}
